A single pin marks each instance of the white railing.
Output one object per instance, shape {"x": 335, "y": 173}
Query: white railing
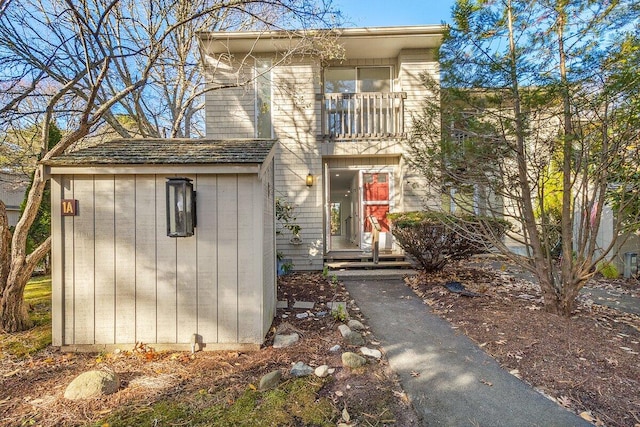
{"x": 362, "y": 115}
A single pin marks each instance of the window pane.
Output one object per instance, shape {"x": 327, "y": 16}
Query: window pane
{"x": 375, "y": 79}
{"x": 263, "y": 99}
{"x": 339, "y": 80}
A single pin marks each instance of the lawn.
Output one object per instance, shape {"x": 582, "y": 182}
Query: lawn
{"x": 37, "y": 295}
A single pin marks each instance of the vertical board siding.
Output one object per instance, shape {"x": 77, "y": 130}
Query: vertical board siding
{"x": 227, "y": 210}
{"x": 186, "y": 285}
{"x": 269, "y": 250}
{"x": 68, "y": 258}
{"x": 145, "y": 257}
{"x": 125, "y": 235}
{"x": 207, "y": 258}
{"x": 84, "y": 261}
{"x": 105, "y": 259}
{"x": 123, "y": 280}
{"x": 57, "y": 267}
{"x": 165, "y": 271}
{"x": 249, "y": 248}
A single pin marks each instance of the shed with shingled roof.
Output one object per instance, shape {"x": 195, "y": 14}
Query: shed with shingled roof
{"x": 119, "y": 278}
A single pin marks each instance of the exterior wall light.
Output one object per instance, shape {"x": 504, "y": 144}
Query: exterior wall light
{"x": 309, "y": 180}
{"x": 181, "y": 207}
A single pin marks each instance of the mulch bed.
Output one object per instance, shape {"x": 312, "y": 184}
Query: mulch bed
{"x": 588, "y": 363}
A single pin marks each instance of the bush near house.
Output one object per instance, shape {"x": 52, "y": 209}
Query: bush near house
{"x": 435, "y": 238}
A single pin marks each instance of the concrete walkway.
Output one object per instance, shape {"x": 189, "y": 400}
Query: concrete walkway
{"x": 449, "y": 380}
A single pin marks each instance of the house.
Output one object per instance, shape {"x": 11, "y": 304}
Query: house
{"x": 163, "y": 242}
{"x": 340, "y": 120}
{"x": 12, "y": 188}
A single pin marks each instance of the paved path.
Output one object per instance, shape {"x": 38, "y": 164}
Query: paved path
{"x": 450, "y": 381}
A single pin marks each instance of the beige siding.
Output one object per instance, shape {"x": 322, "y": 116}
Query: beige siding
{"x": 207, "y": 259}
{"x": 118, "y": 279}
{"x": 57, "y": 277}
{"x": 269, "y": 290}
{"x": 104, "y": 259}
{"x": 125, "y": 282}
{"x": 84, "y": 262}
{"x": 144, "y": 231}
{"x": 296, "y": 124}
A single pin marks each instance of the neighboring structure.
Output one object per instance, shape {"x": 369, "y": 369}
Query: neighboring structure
{"x": 12, "y": 189}
{"x": 121, "y": 277}
{"x": 341, "y": 125}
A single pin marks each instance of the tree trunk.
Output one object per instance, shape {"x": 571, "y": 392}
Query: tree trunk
{"x": 15, "y": 316}
{"x": 5, "y": 248}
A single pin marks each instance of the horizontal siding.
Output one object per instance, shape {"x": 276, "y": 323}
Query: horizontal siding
{"x": 121, "y": 280}
{"x": 296, "y": 124}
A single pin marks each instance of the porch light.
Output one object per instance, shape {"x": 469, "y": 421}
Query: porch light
{"x": 181, "y": 207}
{"x": 309, "y": 180}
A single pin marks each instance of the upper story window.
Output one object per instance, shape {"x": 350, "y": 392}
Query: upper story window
{"x": 264, "y": 126}
{"x": 357, "y": 79}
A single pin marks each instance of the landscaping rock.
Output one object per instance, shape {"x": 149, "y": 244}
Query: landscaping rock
{"x": 356, "y": 325}
{"x": 371, "y": 352}
{"x": 322, "y": 371}
{"x": 282, "y": 341}
{"x": 301, "y": 370}
{"x": 354, "y": 338}
{"x": 344, "y": 330}
{"x": 92, "y": 384}
{"x": 352, "y": 360}
{"x": 335, "y": 348}
{"x": 270, "y": 380}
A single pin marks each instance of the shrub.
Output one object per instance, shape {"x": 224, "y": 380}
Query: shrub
{"x": 608, "y": 270}
{"x": 435, "y": 238}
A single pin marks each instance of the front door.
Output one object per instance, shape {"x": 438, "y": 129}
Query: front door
{"x": 376, "y": 189}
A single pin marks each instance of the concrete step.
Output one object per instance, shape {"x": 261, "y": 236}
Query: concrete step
{"x": 367, "y": 265}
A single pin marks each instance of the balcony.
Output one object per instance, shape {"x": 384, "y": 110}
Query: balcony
{"x": 362, "y": 115}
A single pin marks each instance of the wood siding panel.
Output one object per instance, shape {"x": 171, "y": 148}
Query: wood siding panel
{"x": 68, "y": 284}
{"x": 125, "y": 236}
{"x": 207, "y": 258}
{"x": 249, "y": 250}
{"x": 84, "y": 262}
{"x": 268, "y": 249}
{"x": 187, "y": 285}
{"x": 105, "y": 292}
{"x": 227, "y": 211}
{"x": 166, "y": 270}
{"x": 57, "y": 266}
{"x": 145, "y": 247}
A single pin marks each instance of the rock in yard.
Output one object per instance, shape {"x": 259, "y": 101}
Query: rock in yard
{"x": 335, "y": 348}
{"x": 355, "y": 325}
{"x": 352, "y": 360}
{"x": 371, "y": 352}
{"x": 270, "y": 380}
{"x": 322, "y": 371}
{"x": 301, "y": 370}
{"x": 354, "y": 338}
{"x": 92, "y": 384}
{"x": 344, "y": 330}
{"x": 281, "y": 341}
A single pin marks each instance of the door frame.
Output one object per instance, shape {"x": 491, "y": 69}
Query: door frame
{"x": 365, "y": 238}
{"x": 390, "y": 170}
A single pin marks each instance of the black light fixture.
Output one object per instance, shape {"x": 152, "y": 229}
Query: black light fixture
{"x": 181, "y": 207}
{"x": 309, "y": 180}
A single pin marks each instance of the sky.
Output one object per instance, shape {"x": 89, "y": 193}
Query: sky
{"x": 382, "y": 13}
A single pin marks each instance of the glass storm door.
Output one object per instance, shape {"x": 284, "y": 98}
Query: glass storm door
{"x": 376, "y": 190}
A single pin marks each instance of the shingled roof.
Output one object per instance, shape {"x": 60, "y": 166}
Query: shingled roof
{"x": 167, "y": 151}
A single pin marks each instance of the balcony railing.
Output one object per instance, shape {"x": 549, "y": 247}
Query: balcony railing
{"x": 362, "y": 115}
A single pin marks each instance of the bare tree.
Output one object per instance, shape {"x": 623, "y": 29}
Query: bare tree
{"x": 84, "y": 64}
{"x": 536, "y": 122}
